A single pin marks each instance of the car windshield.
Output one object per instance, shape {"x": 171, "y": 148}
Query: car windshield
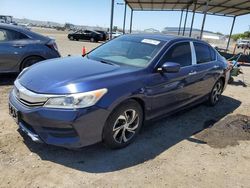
{"x": 127, "y": 51}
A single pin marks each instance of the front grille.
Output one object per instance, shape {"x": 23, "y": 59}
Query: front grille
{"x": 29, "y": 104}
{"x": 27, "y": 97}
{"x": 26, "y": 102}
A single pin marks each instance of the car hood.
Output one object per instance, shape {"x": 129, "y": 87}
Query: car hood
{"x": 68, "y": 75}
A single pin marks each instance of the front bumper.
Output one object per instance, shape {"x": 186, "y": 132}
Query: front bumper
{"x": 60, "y": 127}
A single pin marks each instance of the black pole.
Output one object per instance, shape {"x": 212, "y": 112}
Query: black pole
{"x": 131, "y": 21}
{"x": 124, "y": 21}
{"x": 180, "y": 23}
{"x": 228, "y": 42}
{"x": 204, "y": 19}
{"x": 111, "y": 19}
{"x": 192, "y": 23}
{"x": 184, "y": 28}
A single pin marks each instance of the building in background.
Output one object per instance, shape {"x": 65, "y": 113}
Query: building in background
{"x": 215, "y": 39}
{"x": 151, "y": 30}
{"x": 195, "y": 33}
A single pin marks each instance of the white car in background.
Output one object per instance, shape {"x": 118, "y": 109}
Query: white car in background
{"x": 242, "y": 43}
{"x": 115, "y": 34}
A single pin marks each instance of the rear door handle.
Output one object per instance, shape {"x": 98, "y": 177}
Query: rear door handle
{"x": 192, "y": 73}
{"x": 216, "y": 66}
{"x": 18, "y": 45}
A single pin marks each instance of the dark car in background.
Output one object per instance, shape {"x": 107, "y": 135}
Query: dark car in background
{"x": 105, "y": 35}
{"x": 106, "y": 95}
{"x": 90, "y": 35}
{"x": 20, "y": 48}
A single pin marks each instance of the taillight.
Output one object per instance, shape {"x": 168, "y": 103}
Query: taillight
{"x": 52, "y": 45}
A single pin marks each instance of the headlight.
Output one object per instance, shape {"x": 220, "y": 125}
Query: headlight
{"x": 78, "y": 100}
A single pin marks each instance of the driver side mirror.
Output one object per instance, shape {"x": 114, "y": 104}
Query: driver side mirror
{"x": 169, "y": 67}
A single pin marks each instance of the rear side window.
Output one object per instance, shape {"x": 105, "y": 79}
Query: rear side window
{"x": 14, "y": 35}
{"x": 9, "y": 35}
{"x": 204, "y": 53}
{"x": 179, "y": 53}
{"x": 3, "y": 35}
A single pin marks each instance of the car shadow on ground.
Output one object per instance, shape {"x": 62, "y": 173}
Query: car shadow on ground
{"x": 156, "y": 137}
{"x": 7, "y": 79}
{"x": 239, "y": 83}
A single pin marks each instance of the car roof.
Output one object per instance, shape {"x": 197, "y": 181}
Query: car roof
{"x": 163, "y": 37}
{"x": 24, "y": 31}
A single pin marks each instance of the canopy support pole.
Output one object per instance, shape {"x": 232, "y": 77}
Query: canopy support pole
{"x": 124, "y": 20}
{"x": 192, "y": 23}
{"x": 131, "y": 21}
{"x": 231, "y": 31}
{"x": 180, "y": 23}
{"x": 204, "y": 19}
{"x": 185, "y": 22}
{"x": 111, "y": 18}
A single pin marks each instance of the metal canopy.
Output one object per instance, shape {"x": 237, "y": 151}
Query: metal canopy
{"x": 215, "y": 7}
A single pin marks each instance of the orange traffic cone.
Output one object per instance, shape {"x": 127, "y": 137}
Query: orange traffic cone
{"x": 83, "y": 51}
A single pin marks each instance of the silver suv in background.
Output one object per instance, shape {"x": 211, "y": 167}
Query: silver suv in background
{"x": 20, "y": 48}
{"x": 242, "y": 43}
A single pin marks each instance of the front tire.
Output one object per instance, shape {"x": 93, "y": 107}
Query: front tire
{"x": 215, "y": 94}
{"x": 123, "y": 125}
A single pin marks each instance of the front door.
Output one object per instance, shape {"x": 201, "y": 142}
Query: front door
{"x": 170, "y": 91}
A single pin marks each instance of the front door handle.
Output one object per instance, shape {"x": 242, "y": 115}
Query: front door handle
{"x": 216, "y": 66}
{"x": 192, "y": 73}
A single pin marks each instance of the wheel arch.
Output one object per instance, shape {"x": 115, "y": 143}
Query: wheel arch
{"x": 223, "y": 79}
{"x": 122, "y": 100}
{"x": 29, "y": 56}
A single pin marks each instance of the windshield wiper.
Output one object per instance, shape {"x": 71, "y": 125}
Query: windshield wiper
{"x": 100, "y": 60}
{"x": 106, "y": 62}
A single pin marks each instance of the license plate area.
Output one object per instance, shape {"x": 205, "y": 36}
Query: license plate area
{"x": 14, "y": 113}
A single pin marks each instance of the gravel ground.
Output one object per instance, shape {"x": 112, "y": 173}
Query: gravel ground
{"x": 200, "y": 147}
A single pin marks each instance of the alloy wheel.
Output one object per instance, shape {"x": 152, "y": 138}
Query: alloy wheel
{"x": 125, "y": 126}
{"x": 217, "y": 92}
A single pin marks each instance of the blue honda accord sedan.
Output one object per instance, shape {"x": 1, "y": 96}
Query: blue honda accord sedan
{"x": 108, "y": 94}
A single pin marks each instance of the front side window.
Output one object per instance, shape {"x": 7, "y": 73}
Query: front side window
{"x": 179, "y": 53}
{"x": 204, "y": 53}
{"x": 127, "y": 51}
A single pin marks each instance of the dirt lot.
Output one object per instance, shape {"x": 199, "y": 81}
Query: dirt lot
{"x": 201, "y": 147}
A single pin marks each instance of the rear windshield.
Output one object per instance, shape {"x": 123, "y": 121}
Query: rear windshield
{"x": 127, "y": 51}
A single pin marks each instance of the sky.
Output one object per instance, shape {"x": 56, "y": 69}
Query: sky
{"x": 97, "y": 13}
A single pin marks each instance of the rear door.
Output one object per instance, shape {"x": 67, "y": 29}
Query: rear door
{"x": 12, "y": 49}
{"x": 171, "y": 91}
{"x": 207, "y": 67}
{"x": 87, "y": 34}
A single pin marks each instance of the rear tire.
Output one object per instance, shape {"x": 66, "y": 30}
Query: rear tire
{"x": 92, "y": 39}
{"x": 29, "y": 61}
{"x": 123, "y": 125}
{"x": 215, "y": 94}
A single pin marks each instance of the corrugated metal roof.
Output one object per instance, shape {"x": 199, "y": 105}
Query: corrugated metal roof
{"x": 215, "y": 7}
